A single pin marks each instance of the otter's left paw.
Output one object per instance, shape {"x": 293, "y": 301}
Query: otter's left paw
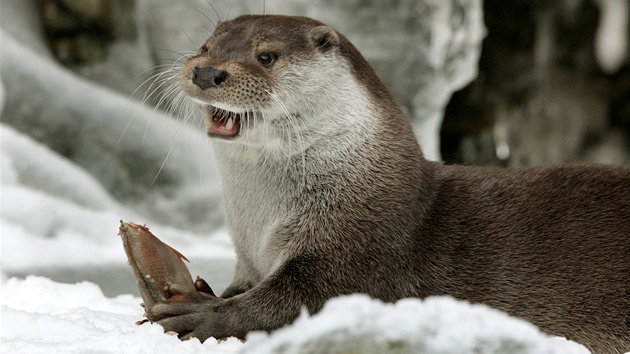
{"x": 190, "y": 314}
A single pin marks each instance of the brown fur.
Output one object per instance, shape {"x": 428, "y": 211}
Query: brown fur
{"x": 550, "y": 245}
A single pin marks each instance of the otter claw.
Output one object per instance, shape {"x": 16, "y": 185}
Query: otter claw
{"x": 203, "y": 286}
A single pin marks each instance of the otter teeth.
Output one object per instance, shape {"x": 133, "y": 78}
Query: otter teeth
{"x": 230, "y": 124}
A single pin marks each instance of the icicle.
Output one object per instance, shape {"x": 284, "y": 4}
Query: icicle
{"x": 611, "y": 39}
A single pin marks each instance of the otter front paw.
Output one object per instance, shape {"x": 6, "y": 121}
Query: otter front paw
{"x": 190, "y": 314}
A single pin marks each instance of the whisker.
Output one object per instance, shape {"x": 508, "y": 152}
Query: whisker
{"x": 178, "y": 130}
{"x": 150, "y": 91}
{"x": 180, "y": 105}
{"x": 178, "y": 53}
{"x": 202, "y": 142}
{"x": 206, "y": 16}
{"x": 228, "y": 14}
{"x": 172, "y": 90}
{"x": 265, "y": 120}
{"x": 295, "y": 126}
{"x": 249, "y": 11}
{"x": 215, "y": 10}
{"x": 151, "y": 82}
{"x": 125, "y": 129}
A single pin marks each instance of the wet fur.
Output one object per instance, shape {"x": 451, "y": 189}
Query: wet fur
{"x": 327, "y": 193}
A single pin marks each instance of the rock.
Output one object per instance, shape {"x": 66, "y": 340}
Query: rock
{"x": 540, "y": 97}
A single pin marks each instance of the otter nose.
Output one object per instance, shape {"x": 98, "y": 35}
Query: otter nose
{"x": 208, "y": 77}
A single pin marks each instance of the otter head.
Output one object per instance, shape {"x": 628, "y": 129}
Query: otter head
{"x": 258, "y": 74}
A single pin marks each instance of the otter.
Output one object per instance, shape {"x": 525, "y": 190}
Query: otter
{"x": 327, "y": 193}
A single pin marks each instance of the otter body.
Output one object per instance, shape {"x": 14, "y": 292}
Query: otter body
{"x": 327, "y": 193}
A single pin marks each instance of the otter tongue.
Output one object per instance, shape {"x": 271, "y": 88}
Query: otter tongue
{"x": 224, "y": 123}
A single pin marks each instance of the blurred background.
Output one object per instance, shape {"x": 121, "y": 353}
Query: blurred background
{"x": 553, "y": 82}
{"x": 92, "y": 130}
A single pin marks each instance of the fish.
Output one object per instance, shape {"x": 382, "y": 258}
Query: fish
{"x": 156, "y": 265}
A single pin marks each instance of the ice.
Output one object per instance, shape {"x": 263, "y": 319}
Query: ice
{"x": 612, "y": 36}
{"x": 456, "y": 31}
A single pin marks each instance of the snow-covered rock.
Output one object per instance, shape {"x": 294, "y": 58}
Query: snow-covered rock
{"x": 159, "y": 165}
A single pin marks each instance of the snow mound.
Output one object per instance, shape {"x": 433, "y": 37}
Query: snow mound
{"x": 359, "y": 324}
{"x": 42, "y": 316}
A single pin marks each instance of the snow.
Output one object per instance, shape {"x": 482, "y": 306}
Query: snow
{"x": 42, "y": 316}
{"x": 443, "y": 325}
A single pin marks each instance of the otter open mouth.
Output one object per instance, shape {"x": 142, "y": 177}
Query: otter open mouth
{"x": 222, "y": 123}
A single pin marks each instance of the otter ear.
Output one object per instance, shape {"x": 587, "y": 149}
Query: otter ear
{"x": 324, "y": 38}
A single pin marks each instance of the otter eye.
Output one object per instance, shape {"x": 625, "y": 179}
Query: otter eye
{"x": 266, "y": 59}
